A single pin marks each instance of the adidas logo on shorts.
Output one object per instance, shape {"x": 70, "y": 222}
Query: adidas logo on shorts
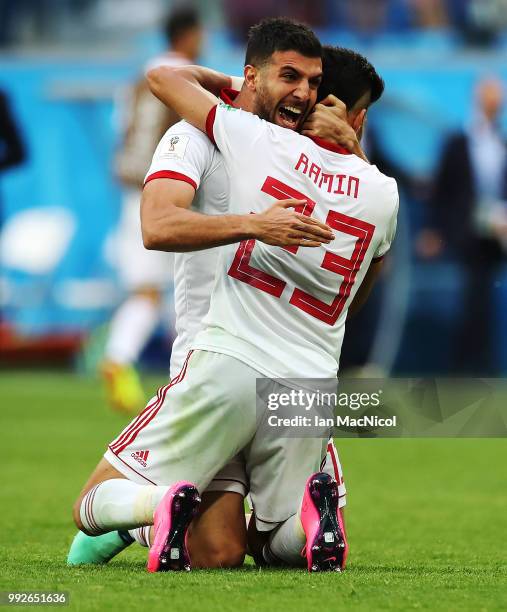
{"x": 141, "y": 457}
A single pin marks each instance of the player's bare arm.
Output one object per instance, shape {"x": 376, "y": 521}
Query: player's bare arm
{"x": 328, "y": 120}
{"x": 181, "y": 89}
{"x": 169, "y": 225}
{"x": 365, "y": 288}
{"x": 213, "y": 80}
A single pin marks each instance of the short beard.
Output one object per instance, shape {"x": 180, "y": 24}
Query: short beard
{"x": 263, "y": 105}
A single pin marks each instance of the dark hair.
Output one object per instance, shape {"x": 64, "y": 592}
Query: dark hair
{"x": 180, "y": 21}
{"x": 280, "y": 34}
{"x": 348, "y": 76}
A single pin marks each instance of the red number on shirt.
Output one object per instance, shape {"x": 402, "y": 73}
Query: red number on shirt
{"x": 280, "y": 191}
{"x": 347, "y": 268}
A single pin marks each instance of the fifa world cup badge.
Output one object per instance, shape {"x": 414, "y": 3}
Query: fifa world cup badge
{"x": 176, "y": 146}
{"x": 174, "y": 141}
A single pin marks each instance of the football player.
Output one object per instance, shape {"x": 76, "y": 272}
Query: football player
{"x": 242, "y": 271}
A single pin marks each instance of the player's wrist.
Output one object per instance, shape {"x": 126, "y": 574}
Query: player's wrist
{"x": 249, "y": 227}
{"x": 345, "y": 136}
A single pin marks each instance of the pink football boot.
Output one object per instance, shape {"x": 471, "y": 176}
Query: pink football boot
{"x": 171, "y": 520}
{"x": 326, "y": 544}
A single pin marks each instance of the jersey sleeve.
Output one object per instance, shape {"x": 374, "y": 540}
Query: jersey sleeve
{"x": 234, "y": 131}
{"x": 184, "y": 154}
{"x": 390, "y": 233}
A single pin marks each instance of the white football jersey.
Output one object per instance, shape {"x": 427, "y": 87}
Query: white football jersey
{"x": 283, "y": 311}
{"x": 186, "y": 154}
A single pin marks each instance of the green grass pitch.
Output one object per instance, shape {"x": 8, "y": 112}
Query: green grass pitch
{"x": 427, "y": 520}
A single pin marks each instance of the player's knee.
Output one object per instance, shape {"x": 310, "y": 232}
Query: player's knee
{"x": 220, "y": 555}
{"x": 229, "y": 557}
{"x": 233, "y": 555}
{"x": 76, "y": 513}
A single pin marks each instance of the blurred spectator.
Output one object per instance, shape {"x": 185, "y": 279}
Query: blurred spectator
{"x": 480, "y": 21}
{"x": 15, "y": 16}
{"x": 24, "y": 21}
{"x": 469, "y": 220}
{"x": 144, "y": 274}
{"x": 12, "y": 151}
{"x": 429, "y": 14}
{"x": 367, "y": 16}
{"x": 370, "y": 18}
{"x": 241, "y": 15}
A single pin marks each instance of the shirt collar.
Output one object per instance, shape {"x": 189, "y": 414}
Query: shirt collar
{"x": 228, "y": 95}
{"x": 330, "y": 146}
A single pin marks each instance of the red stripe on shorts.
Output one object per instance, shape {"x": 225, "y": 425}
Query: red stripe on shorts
{"x": 149, "y": 409}
{"x": 140, "y": 423}
{"x": 136, "y": 421}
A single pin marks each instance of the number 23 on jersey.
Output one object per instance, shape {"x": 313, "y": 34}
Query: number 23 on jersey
{"x": 242, "y": 270}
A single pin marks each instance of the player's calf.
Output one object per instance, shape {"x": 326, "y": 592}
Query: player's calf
{"x": 217, "y": 535}
{"x": 104, "y": 471}
{"x": 110, "y": 502}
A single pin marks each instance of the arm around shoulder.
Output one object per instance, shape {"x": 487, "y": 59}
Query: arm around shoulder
{"x": 168, "y": 224}
{"x": 161, "y": 202}
{"x": 181, "y": 90}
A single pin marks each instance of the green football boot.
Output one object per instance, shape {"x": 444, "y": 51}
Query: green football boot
{"x": 97, "y": 550}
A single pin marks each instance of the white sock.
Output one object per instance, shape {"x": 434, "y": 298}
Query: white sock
{"x": 285, "y": 544}
{"x": 131, "y": 327}
{"x": 119, "y": 504}
{"x": 141, "y": 535}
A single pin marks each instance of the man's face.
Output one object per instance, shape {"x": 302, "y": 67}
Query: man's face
{"x": 192, "y": 43}
{"x": 286, "y": 88}
{"x": 490, "y": 94}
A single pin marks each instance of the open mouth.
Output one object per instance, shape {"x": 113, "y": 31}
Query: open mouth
{"x": 289, "y": 116}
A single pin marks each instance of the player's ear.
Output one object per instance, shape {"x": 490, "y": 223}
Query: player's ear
{"x": 250, "y": 74}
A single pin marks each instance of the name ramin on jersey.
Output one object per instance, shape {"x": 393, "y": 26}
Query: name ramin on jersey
{"x": 341, "y": 184}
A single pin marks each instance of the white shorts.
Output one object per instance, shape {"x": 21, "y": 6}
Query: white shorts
{"x": 138, "y": 267}
{"x": 200, "y": 422}
{"x": 233, "y": 476}
{"x": 193, "y": 427}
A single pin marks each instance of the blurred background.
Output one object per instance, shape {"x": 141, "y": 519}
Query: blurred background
{"x": 67, "y": 69}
